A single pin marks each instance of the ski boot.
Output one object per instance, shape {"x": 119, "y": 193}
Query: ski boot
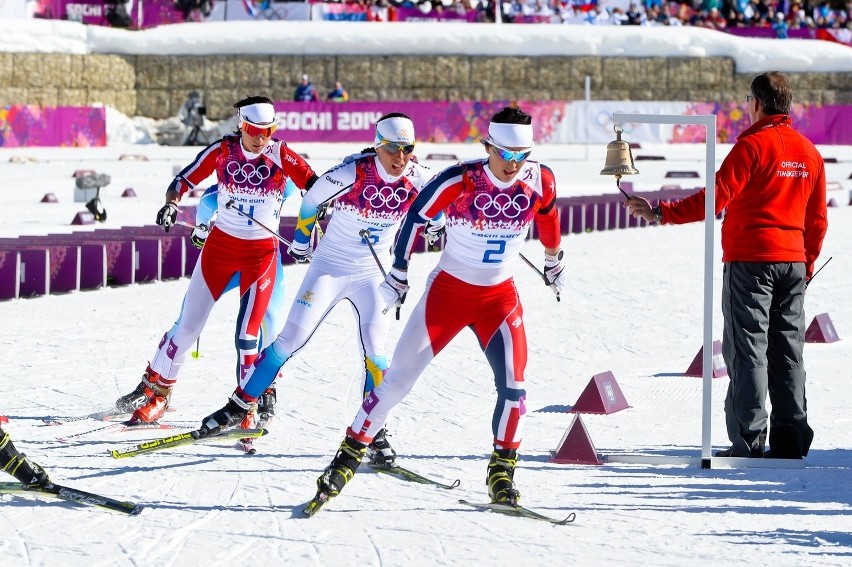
{"x": 266, "y": 407}
{"x": 28, "y": 473}
{"x": 501, "y": 470}
{"x": 379, "y": 452}
{"x": 155, "y": 407}
{"x": 342, "y": 468}
{"x": 140, "y": 396}
{"x": 233, "y": 413}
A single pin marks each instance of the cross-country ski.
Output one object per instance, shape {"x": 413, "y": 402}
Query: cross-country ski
{"x": 53, "y": 490}
{"x": 181, "y": 439}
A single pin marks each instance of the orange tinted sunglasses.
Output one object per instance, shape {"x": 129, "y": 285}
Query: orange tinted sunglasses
{"x": 255, "y": 131}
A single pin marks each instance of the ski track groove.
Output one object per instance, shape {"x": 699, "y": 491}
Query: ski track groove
{"x": 376, "y": 547}
{"x": 179, "y": 537}
{"x": 25, "y": 546}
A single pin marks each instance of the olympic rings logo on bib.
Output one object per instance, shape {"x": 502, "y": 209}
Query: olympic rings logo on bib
{"x": 248, "y": 173}
{"x": 501, "y": 204}
{"x": 387, "y": 197}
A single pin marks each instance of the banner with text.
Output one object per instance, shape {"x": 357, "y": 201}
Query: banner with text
{"x": 151, "y": 13}
{"x": 554, "y": 122}
{"x": 143, "y": 14}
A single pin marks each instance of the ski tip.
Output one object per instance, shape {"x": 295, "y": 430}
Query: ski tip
{"x": 455, "y": 484}
{"x": 315, "y": 505}
{"x": 137, "y": 509}
{"x": 309, "y": 510}
{"x": 571, "y": 517}
{"x": 312, "y": 508}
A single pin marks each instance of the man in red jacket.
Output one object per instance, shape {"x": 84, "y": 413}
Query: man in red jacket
{"x": 773, "y": 186}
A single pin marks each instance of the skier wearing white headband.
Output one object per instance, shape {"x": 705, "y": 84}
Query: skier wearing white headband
{"x": 252, "y": 169}
{"x": 489, "y": 205}
{"x": 372, "y": 191}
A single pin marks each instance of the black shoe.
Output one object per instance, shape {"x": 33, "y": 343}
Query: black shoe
{"x": 770, "y": 454}
{"x": 501, "y": 472}
{"x": 380, "y": 452}
{"x": 755, "y": 453}
{"x": 135, "y": 399}
{"x": 229, "y": 416}
{"x": 342, "y": 468}
{"x": 729, "y": 452}
{"x": 790, "y": 442}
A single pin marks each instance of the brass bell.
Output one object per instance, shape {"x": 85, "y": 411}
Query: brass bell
{"x": 619, "y": 159}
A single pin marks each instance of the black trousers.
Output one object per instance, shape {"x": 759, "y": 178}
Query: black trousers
{"x": 764, "y": 336}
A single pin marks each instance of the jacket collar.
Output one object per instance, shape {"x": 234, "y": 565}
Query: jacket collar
{"x": 767, "y": 122}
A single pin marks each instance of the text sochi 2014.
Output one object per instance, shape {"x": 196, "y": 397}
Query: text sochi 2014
{"x": 340, "y": 120}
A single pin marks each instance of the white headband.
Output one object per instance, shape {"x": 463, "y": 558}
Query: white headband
{"x": 511, "y": 135}
{"x": 397, "y": 130}
{"x": 260, "y": 114}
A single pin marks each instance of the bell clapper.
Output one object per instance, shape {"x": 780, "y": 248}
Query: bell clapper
{"x": 618, "y": 184}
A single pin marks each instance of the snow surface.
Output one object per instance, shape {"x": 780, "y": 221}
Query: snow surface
{"x": 632, "y": 306}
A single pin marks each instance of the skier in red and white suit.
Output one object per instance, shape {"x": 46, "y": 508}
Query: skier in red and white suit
{"x": 252, "y": 170}
{"x": 372, "y": 192}
{"x": 489, "y": 205}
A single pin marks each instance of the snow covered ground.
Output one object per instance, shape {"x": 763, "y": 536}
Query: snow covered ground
{"x": 632, "y": 306}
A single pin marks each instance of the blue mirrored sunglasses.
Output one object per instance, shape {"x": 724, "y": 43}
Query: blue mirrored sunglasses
{"x": 396, "y": 148}
{"x": 509, "y": 155}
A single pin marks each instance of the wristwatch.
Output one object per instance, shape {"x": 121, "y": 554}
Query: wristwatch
{"x": 658, "y": 212}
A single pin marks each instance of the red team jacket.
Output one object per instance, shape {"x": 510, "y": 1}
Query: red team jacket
{"x": 773, "y": 185}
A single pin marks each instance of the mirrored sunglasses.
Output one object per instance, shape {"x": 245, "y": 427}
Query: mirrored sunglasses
{"x": 254, "y": 131}
{"x": 396, "y": 148}
{"x": 509, "y": 155}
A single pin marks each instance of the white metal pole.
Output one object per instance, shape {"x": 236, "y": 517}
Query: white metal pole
{"x": 709, "y": 240}
{"x": 709, "y": 122}
{"x": 588, "y": 86}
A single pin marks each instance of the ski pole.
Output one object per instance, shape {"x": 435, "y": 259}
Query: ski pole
{"x": 539, "y": 272}
{"x": 197, "y": 352}
{"x": 230, "y": 205}
{"x": 818, "y": 271}
{"x": 190, "y": 225}
{"x": 365, "y": 234}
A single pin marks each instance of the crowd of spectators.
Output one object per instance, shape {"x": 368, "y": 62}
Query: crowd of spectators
{"x": 780, "y": 15}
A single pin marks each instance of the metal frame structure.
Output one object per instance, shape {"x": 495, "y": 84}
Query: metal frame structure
{"x": 709, "y": 121}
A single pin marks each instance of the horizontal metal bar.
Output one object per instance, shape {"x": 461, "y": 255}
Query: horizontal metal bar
{"x": 622, "y": 118}
{"x": 716, "y": 462}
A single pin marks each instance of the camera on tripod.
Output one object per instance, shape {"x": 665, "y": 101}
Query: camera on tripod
{"x": 193, "y": 111}
{"x": 192, "y": 114}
